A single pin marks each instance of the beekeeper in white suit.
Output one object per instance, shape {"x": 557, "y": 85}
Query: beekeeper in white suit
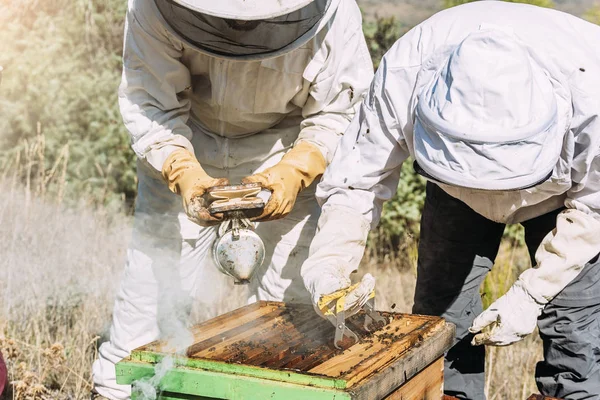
{"x": 217, "y": 92}
{"x": 499, "y": 105}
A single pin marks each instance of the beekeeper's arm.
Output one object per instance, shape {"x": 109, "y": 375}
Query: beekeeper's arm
{"x": 563, "y": 252}
{"x": 363, "y": 175}
{"x": 155, "y": 108}
{"x": 337, "y": 77}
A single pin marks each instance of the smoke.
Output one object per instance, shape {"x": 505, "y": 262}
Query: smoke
{"x": 187, "y": 284}
{"x": 157, "y": 250}
{"x": 148, "y": 388}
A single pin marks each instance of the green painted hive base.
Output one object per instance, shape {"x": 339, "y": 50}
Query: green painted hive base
{"x": 184, "y": 383}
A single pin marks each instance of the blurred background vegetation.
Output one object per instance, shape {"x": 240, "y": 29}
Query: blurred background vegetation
{"x": 59, "y": 119}
{"x": 62, "y": 63}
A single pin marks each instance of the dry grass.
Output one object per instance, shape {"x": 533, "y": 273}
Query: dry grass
{"x": 57, "y": 273}
{"x": 60, "y": 267}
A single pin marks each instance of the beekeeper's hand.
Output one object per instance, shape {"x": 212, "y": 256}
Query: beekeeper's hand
{"x": 508, "y": 320}
{"x": 352, "y": 297}
{"x": 335, "y": 252}
{"x": 185, "y": 176}
{"x": 560, "y": 257}
{"x": 296, "y": 171}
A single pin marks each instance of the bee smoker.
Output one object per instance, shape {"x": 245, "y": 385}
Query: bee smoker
{"x": 238, "y": 251}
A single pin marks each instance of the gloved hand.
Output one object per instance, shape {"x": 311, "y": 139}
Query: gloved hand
{"x": 352, "y": 298}
{"x": 562, "y": 254}
{"x": 334, "y": 254}
{"x": 508, "y": 320}
{"x": 185, "y": 177}
{"x": 560, "y": 258}
{"x": 296, "y": 171}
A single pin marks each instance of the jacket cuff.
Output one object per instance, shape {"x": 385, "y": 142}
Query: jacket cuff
{"x": 562, "y": 255}
{"x": 156, "y": 154}
{"x": 336, "y": 250}
{"x": 324, "y": 139}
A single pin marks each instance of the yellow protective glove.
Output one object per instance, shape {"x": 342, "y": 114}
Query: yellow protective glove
{"x": 185, "y": 177}
{"x": 296, "y": 171}
{"x": 350, "y": 299}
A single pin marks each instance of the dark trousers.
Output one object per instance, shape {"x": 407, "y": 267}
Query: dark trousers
{"x": 457, "y": 249}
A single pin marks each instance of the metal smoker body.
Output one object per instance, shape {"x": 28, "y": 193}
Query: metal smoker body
{"x": 238, "y": 251}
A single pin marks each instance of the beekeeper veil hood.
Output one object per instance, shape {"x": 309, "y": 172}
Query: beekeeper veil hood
{"x": 246, "y": 29}
{"x": 488, "y": 119}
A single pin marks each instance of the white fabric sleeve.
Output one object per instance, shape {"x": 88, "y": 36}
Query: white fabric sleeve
{"x": 584, "y": 194}
{"x": 576, "y": 240}
{"x": 365, "y": 169}
{"x": 340, "y": 74}
{"x": 152, "y": 94}
{"x": 335, "y": 251}
{"x": 562, "y": 254}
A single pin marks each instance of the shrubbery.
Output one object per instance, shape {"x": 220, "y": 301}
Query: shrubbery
{"x": 62, "y": 65}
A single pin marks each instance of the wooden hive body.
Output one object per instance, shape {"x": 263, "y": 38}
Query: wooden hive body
{"x": 276, "y": 351}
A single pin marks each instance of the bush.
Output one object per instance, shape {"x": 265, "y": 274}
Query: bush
{"x": 62, "y": 67}
{"x": 380, "y": 36}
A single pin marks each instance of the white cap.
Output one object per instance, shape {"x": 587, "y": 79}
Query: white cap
{"x": 245, "y": 10}
{"x": 488, "y": 118}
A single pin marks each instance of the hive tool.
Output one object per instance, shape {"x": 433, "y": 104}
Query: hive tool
{"x": 333, "y": 307}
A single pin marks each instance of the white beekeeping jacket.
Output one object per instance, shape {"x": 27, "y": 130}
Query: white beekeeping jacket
{"x": 169, "y": 86}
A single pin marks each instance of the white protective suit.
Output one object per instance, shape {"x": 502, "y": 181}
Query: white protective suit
{"x": 499, "y": 104}
{"x": 239, "y": 117}
{"x": 365, "y": 170}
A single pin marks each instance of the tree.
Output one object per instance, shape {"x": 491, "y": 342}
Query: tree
{"x": 62, "y": 67}
{"x": 593, "y": 15}
{"x": 381, "y": 37}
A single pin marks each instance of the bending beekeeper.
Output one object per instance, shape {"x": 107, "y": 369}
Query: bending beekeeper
{"x": 498, "y": 104}
{"x": 217, "y": 92}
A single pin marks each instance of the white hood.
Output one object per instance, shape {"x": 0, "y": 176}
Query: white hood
{"x": 488, "y": 118}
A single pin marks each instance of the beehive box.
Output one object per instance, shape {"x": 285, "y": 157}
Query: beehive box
{"x": 270, "y": 350}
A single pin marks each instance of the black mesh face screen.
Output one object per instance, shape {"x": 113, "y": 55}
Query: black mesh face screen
{"x": 236, "y": 38}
